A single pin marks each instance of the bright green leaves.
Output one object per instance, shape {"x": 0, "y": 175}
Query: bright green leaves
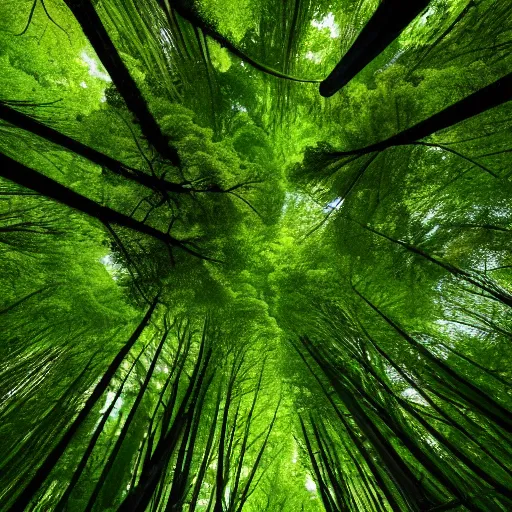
{"x": 368, "y": 292}
{"x": 47, "y": 63}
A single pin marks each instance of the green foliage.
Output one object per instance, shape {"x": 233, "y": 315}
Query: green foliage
{"x": 277, "y": 325}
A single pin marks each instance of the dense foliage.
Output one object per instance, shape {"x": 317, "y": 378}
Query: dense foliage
{"x": 223, "y": 291}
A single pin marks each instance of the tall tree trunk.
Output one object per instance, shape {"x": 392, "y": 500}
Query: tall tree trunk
{"x": 25, "y": 122}
{"x": 206, "y": 455}
{"x": 248, "y": 483}
{"x": 324, "y": 491}
{"x": 42, "y": 473}
{"x": 468, "y": 391}
{"x": 234, "y": 491}
{"x": 124, "y": 431}
{"x": 26, "y": 177}
{"x": 412, "y": 490}
{"x": 138, "y": 498}
{"x": 61, "y": 505}
{"x": 93, "y": 28}
{"x": 381, "y": 482}
{"x": 495, "y": 292}
{"x": 188, "y": 13}
{"x": 484, "y": 99}
{"x": 386, "y": 24}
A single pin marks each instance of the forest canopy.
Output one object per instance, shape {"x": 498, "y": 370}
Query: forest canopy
{"x": 255, "y": 255}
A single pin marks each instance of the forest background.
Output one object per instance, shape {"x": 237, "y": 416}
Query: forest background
{"x": 222, "y": 290}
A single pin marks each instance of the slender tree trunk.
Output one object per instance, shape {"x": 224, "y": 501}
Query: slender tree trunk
{"x": 248, "y": 483}
{"x": 61, "y": 505}
{"x": 411, "y": 489}
{"x": 138, "y": 499}
{"x": 220, "y": 476}
{"x": 93, "y": 28}
{"x": 328, "y": 463}
{"x": 26, "y": 177}
{"x": 495, "y": 292}
{"x": 432, "y": 46}
{"x": 25, "y": 122}
{"x": 471, "y": 394}
{"x": 381, "y": 483}
{"x": 234, "y": 490}
{"x": 120, "y": 439}
{"x": 324, "y": 491}
{"x": 206, "y": 455}
{"x": 181, "y": 485}
{"x": 190, "y": 14}
{"x": 484, "y": 99}
{"x": 51, "y": 460}
{"x": 22, "y": 300}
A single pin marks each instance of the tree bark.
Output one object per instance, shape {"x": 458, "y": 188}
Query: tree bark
{"x": 189, "y": 14}
{"x": 61, "y": 505}
{"x": 25, "y": 122}
{"x": 26, "y": 177}
{"x": 139, "y": 497}
{"x": 386, "y": 24}
{"x": 93, "y": 28}
{"x": 124, "y": 431}
{"x": 484, "y": 99}
{"x": 468, "y": 391}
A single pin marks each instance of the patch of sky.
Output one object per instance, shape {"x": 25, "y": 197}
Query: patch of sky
{"x": 315, "y": 57}
{"x": 454, "y": 328}
{"x": 413, "y": 395}
{"x": 168, "y": 46}
{"x": 295, "y": 455}
{"x": 108, "y": 402}
{"x": 431, "y": 232}
{"x": 238, "y": 107}
{"x": 335, "y": 204}
{"x": 290, "y": 198}
{"x": 113, "y": 268}
{"x": 433, "y": 346}
{"x": 310, "y": 484}
{"x": 425, "y": 219}
{"x": 327, "y": 22}
{"x": 392, "y": 374}
{"x": 94, "y": 67}
{"x": 165, "y": 34}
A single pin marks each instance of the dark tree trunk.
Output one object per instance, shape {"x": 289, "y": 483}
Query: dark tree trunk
{"x": 468, "y": 391}
{"x": 22, "y": 300}
{"x": 26, "y": 177}
{"x": 386, "y": 24}
{"x": 493, "y": 95}
{"x": 91, "y": 24}
{"x": 30, "y": 490}
{"x": 495, "y": 292}
{"x": 324, "y": 491}
{"x": 117, "y": 447}
{"x": 139, "y": 497}
{"x": 206, "y": 455}
{"x": 412, "y": 490}
{"x": 188, "y": 13}
{"x": 247, "y": 487}
{"x": 61, "y": 505}
{"x": 25, "y": 122}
